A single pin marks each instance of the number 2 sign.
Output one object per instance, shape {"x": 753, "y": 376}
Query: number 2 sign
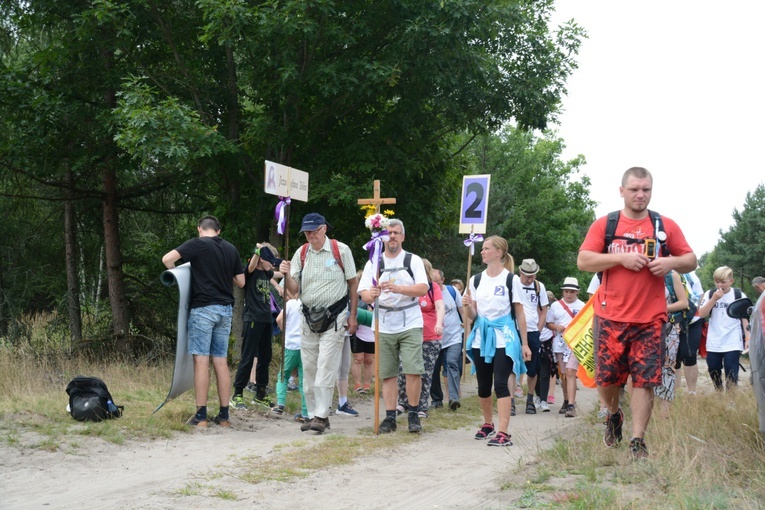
{"x": 475, "y": 202}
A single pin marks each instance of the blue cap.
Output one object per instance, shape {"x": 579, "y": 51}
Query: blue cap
{"x": 312, "y": 221}
{"x": 266, "y": 254}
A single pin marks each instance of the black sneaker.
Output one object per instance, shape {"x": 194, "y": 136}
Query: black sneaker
{"x": 388, "y": 425}
{"x": 613, "y": 433}
{"x": 437, "y": 405}
{"x": 571, "y": 411}
{"x": 638, "y": 448}
{"x": 564, "y": 407}
{"x": 454, "y": 405}
{"x": 414, "y": 423}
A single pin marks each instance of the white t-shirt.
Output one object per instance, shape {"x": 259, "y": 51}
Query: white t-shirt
{"x": 594, "y": 284}
{"x": 492, "y": 302}
{"x": 453, "y": 331}
{"x": 294, "y": 319}
{"x": 528, "y": 295}
{"x": 559, "y": 315}
{"x": 724, "y": 333}
{"x": 365, "y": 333}
{"x": 696, "y": 289}
{"x": 401, "y": 320}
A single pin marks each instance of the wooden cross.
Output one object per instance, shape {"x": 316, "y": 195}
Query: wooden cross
{"x": 376, "y": 200}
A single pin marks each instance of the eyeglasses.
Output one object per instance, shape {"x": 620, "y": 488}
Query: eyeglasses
{"x": 309, "y": 232}
{"x": 394, "y": 233}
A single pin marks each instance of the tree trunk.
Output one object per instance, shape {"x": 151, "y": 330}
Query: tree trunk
{"x": 72, "y": 281}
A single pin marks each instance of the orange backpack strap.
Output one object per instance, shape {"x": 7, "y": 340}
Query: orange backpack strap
{"x": 335, "y": 253}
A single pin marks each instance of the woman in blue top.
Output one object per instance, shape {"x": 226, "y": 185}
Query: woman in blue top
{"x": 498, "y": 344}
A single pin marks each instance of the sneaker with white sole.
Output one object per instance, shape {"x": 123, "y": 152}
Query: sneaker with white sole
{"x": 237, "y": 403}
{"x": 501, "y": 439}
{"x": 537, "y": 402}
{"x": 347, "y": 410}
{"x": 544, "y": 407}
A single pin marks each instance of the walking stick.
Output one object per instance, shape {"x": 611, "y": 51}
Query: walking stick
{"x": 470, "y": 242}
{"x": 377, "y": 363}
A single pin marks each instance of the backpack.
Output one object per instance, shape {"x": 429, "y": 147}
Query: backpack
{"x": 335, "y": 253}
{"x": 682, "y": 317}
{"x": 658, "y": 224}
{"x": 407, "y": 264}
{"x": 508, "y": 284}
{"x": 90, "y": 400}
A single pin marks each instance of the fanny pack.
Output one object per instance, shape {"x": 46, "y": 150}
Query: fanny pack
{"x": 319, "y": 319}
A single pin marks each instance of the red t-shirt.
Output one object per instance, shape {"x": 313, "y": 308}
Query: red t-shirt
{"x": 428, "y": 307}
{"x": 625, "y": 295}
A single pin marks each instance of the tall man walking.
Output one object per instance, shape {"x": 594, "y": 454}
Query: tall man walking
{"x": 630, "y": 308}
{"x": 402, "y": 281}
{"x": 325, "y": 274}
{"x": 215, "y": 264}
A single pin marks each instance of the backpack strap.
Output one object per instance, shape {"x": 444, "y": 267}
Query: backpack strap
{"x": 565, "y": 307}
{"x": 451, "y": 290}
{"x": 508, "y": 284}
{"x": 407, "y": 264}
{"x": 611, "y": 222}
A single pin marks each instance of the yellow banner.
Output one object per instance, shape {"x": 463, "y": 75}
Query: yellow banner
{"x": 579, "y": 337}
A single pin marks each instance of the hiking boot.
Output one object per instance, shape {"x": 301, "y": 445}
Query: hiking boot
{"x": 223, "y": 422}
{"x": 301, "y": 418}
{"x": 544, "y": 407}
{"x": 347, "y": 410}
{"x": 501, "y": 439}
{"x": 264, "y": 400}
{"x": 563, "y": 407}
{"x": 306, "y": 425}
{"x": 486, "y": 431}
{"x": 571, "y": 411}
{"x": 319, "y": 424}
{"x": 613, "y": 433}
{"x": 388, "y": 425}
{"x": 196, "y": 422}
{"x": 278, "y": 409}
{"x": 638, "y": 448}
{"x": 531, "y": 408}
{"x": 454, "y": 405}
{"x": 237, "y": 403}
{"x": 414, "y": 423}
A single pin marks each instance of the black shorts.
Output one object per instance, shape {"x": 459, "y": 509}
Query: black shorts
{"x": 359, "y": 346}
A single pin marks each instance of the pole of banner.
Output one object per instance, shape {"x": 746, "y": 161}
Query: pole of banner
{"x": 286, "y": 250}
{"x": 466, "y": 321}
{"x": 377, "y": 363}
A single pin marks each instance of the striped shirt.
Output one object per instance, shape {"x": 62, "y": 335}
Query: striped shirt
{"x": 323, "y": 282}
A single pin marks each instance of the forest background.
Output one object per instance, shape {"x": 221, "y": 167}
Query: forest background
{"x": 124, "y": 121}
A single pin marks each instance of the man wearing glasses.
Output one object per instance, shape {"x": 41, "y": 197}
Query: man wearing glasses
{"x": 401, "y": 281}
{"x": 325, "y": 274}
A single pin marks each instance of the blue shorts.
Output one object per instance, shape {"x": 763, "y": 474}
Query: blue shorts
{"x": 209, "y": 329}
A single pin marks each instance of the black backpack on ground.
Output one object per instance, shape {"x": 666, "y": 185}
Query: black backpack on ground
{"x": 90, "y": 400}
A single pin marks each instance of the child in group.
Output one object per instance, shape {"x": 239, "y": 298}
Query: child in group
{"x": 726, "y": 337}
{"x": 291, "y": 357}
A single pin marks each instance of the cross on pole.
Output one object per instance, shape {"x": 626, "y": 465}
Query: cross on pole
{"x": 376, "y": 200}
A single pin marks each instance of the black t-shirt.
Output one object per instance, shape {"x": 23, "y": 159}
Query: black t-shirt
{"x": 257, "y": 296}
{"x": 214, "y": 264}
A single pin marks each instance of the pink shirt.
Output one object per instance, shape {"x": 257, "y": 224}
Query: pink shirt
{"x": 428, "y": 308}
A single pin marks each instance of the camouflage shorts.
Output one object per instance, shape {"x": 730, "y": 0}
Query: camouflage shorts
{"x": 625, "y": 349}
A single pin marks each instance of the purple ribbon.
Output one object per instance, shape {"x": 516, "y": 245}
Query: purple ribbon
{"x": 470, "y": 241}
{"x": 375, "y": 248}
{"x": 281, "y": 220}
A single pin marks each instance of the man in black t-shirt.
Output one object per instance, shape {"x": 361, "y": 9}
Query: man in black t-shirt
{"x": 256, "y": 333}
{"x": 215, "y": 264}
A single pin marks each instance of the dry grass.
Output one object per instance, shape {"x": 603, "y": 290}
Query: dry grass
{"x": 707, "y": 454}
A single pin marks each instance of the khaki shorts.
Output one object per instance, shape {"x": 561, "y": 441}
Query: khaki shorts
{"x": 407, "y": 344}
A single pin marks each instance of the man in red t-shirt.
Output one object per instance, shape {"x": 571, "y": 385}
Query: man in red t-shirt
{"x": 630, "y": 307}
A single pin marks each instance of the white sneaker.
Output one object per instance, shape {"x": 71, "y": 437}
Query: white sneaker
{"x": 543, "y": 405}
{"x": 537, "y": 402}
{"x": 603, "y": 412}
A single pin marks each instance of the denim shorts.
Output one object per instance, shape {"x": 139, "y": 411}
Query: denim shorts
{"x": 209, "y": 329}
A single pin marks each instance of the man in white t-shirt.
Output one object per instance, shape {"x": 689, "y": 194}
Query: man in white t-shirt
{"x": 561, "y": 314}
{"x": 534, "y": 298}
{"x": 401, "y": 281}
{"x": 450, "y": 356}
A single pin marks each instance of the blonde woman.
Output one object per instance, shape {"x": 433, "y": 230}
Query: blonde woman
{"x": 498, "y": 344}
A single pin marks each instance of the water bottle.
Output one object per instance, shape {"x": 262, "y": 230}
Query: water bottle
{"x": 110, "y": 405}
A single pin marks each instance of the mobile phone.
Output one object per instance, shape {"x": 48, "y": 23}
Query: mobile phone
{"x": 650, "y": 248}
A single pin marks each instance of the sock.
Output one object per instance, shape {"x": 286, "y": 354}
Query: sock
{"x": 390, "y": 414}
{"x": 414, "y": 409}
{"x": 201, "y": 413}
{"x": 530, "y": 397}
{"x": 341, "y": 401}
{"x": 223, "y": 412}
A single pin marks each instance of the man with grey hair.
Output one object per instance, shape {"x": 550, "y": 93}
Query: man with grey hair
{"x": 402, "y": 280}
{"x": 324, "y": 272}
{"x": 758, "y": 282}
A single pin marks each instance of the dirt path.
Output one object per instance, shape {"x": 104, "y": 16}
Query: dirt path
{"x": 444, "y": 469}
